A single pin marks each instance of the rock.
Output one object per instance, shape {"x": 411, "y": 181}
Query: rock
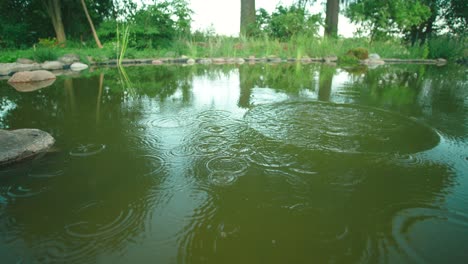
{"x": 52, "y": 65}
{"x": 374, "y": 56}
{"x": 10, "y": 68}
{"x": 240, "y": 61}
{"x": 90, "y": 59}
{"x": 31, "y": 86}
{"x": 31, "y": 76}
{"x": 78, "y": 66}
{"x": 441, "y": 61}
{"x": 205, "y": 61}
{"x": 25, "y": 61}
{"x": 218, "y": 60}
{"x": 306, "y": 59}
{"x": 69, "y": 59}
{"x": 329, "y": 59}
{"x": 190, "y": 61}
{"x": 21, "y": 144}
{"x": 372, "y": 64}
{"x": 156, "y": 62}
{"x": 273, "y": 59}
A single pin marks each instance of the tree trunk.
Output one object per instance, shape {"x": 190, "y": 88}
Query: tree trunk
{"x": 247, "y": 17}
{"x": 53, "y": 9}
{"x": 325, "y": 82}
{"x": 331, "y": 18}
{"x": 246, "y": 86}
{"x": 96, "y": 38}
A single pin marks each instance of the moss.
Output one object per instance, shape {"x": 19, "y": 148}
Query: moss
{"x": 348, "y": 59}
{"x": 359, "y": 53}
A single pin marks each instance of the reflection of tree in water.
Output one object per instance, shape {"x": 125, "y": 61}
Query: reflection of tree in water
{"x": 325, "y": 82}
{"x": 304, "y": 206}
{"x": 94, "y": 194}
{"x": 443, "y": 100}
{"x": 435, "y": 93}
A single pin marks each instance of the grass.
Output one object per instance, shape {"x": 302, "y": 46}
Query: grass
{"x": 219, "y": 46}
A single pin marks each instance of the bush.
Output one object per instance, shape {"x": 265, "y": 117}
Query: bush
{"x": 286, "y": 22}
{"x": 446, "y": 47}
{"x": 358, "y": 53}
{"x": 348, "y": 59}
{"x": 45, "y": 54}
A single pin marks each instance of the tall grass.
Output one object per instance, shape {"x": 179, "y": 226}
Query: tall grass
{"x": 122, "y": 42}
{"x": 298, "y": 46}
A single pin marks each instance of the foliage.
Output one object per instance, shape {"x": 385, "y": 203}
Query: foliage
{"x": 42, "y": 54}
{"x": 153, "y": 26}
{"x": 455, "y": 14}
{"x": 23, "y": 22}
{"x": 286, "y": 22}
{"x": 384, "y": 19}
{"x": 348, "y": 59}
{"x": 359, "y": 53}
{"x": 47, "y": 42}
{"x": 447, "y": 47}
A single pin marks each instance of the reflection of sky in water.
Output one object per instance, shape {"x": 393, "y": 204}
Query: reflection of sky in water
{"x": 185, "y": 207}
{"x": 173, "y": 122}
{"x": 5, "y": 107}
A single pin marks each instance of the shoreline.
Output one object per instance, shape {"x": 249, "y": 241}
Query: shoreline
{"x": 8, "y": 69}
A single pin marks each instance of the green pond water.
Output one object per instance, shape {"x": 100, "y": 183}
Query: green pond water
{"x": 284, "y": 163}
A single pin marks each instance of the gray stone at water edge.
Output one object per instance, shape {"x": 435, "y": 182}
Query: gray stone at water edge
{"x": 20, "y": 144}
{"x": 78, "y": 66}
{"x": 25, "y": 61}
{"x": 374, "y": 56}
{"x": 52, "y": 65}
{"x": 69, "y": 59}
{"x": 31, "y": 76}
{"x": 9, "y": 68}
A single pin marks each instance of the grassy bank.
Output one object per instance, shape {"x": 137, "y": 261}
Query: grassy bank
{"x": 297, "y": 47}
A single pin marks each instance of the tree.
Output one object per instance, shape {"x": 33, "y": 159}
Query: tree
{"x": 384, "y": 19}
{"x": 331, "y": 18}
{"x": 96, "y": 38}
{"x": 53, "y": 9}
{"x": 247, "y": 21}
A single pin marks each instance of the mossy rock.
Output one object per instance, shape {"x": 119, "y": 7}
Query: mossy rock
{"x": 359, "y": 53}
{"x": 348, "y": 59}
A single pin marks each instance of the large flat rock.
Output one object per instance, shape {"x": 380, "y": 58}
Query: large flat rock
{"x": 16, "y": 145}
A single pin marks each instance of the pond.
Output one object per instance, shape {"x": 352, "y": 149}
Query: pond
{"x": 265, "y": 163}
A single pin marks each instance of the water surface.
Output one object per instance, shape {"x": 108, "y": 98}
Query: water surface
{"x": 283, "y": 163}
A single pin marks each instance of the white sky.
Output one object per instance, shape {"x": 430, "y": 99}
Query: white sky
{"x": 224, "y": 15}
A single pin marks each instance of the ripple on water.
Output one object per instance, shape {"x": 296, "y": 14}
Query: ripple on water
{"x": 86, "y": 150}
{"x": 225, "y": 170}
{"x": 414, "y": 231}
{"x": 341, "y": 128}
{"x": 150, "y": 165}
{"x": 171, "y": 122}
{"x": 137, "y": 142}
{"x": 210, "y": 115}
{"x": 210, "y": 144}
{"x": 104, "y": 223}
{"x": 59, "y": 250}
{"x": 49, "y": 166}
{"x": 25, "y": 190}
{"x": 272, "y": 157}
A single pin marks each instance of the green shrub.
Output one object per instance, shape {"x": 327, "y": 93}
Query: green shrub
{"x": 44, "y": 54}
{"x": 359, "y": 53}
{"x": 47, "y": 42}
{"x": 348, "y": 59}
{"x": 446, "y": 47}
